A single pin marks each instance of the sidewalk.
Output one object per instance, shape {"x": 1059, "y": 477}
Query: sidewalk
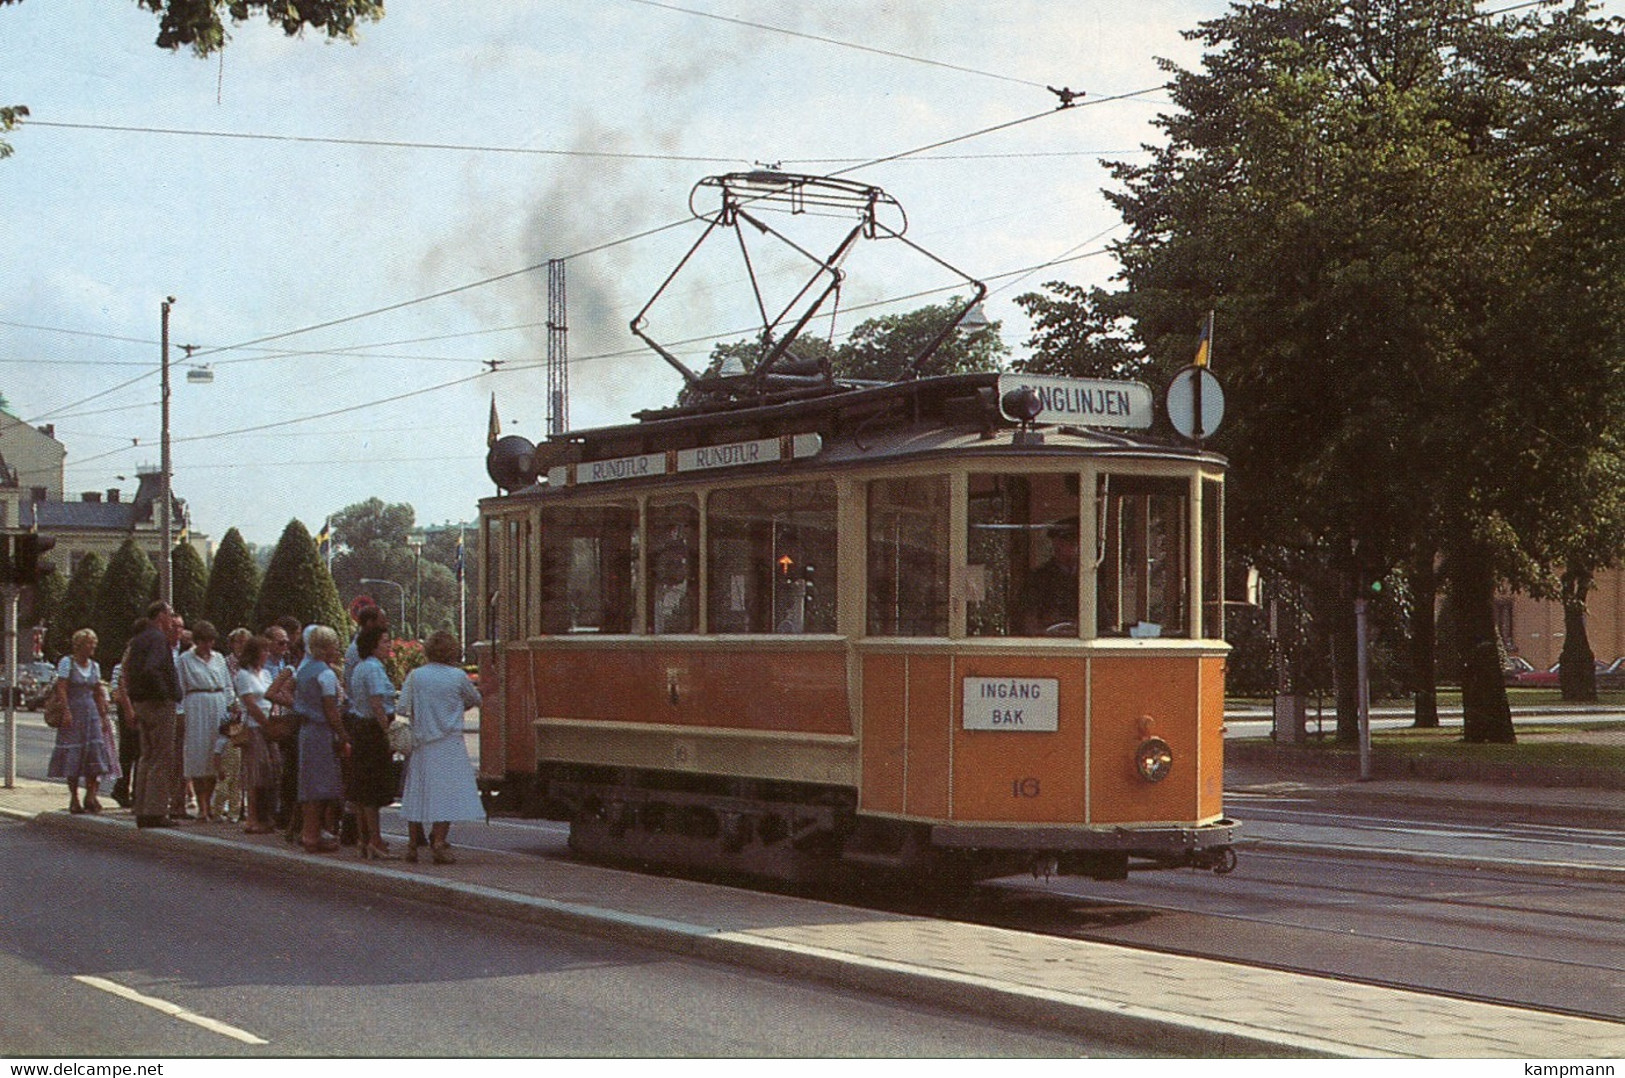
{"x": 1184, "y": 1006}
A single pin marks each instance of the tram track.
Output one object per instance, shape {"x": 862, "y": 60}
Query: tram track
{"x": 1442, "y": 955}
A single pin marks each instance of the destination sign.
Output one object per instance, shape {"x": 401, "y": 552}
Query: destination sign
{"x": 757, "y": 451}
{"x": 1084, "y": 402}
{"x": 698, "y": 459}
{"x": 1012, "y": 703}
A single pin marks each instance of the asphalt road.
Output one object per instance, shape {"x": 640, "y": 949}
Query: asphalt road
{"x": 100, "y": 946}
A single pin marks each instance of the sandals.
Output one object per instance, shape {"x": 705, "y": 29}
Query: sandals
{"x": 440, "y": 852}
{"x": 93, "y": 805}
{"x": 325, "y": 845}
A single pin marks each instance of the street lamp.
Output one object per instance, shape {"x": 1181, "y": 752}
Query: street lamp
{"x": 417, "y": 591}
{"x": 397, "y": 587}
{"x": 166, "y": 581}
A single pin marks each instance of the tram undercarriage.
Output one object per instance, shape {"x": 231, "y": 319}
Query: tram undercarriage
{"x": 802, "y": 833}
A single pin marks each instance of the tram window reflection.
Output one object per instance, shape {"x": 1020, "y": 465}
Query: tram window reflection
{"x": 588, "y": 565}
{"x": 772, "y": 559}
{"x": 1022, "y": 550}
{"x": 908, "y": 557}
{"x": 674, "y": 566}
{"x": 1142, "y": 550}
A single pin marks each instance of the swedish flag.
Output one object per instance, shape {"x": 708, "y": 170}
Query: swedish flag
{"x": 459, "y": 555}
{"x": 1204, "y": 342}
{"x": 324, "y": 540}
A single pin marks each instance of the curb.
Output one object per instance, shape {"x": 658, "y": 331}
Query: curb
{"x": 1122, "y": 1024}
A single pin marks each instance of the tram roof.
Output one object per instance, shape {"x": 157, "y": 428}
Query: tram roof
{"x": 859, "y": 423}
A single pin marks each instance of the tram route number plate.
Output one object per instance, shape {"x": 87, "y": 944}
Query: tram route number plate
{"x": 1012, "y": 703}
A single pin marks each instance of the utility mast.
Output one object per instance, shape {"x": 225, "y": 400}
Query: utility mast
{"x": 558, "y": 351}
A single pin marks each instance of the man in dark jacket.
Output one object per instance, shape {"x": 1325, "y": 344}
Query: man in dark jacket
{"x": 150, "y": 681}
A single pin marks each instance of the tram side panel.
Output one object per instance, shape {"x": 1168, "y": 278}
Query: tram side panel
{"x": 778, "y": 714}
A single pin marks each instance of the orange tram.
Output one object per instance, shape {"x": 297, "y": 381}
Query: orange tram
{"x": 957, "y": 626}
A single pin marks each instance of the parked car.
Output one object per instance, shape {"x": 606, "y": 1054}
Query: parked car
{"x": 1609, "y": 675}
{"x": 1515, "y": 669}
{"x": 34, "y": 681}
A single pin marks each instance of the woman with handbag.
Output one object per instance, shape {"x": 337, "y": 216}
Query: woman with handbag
{"x": 372, "y": 695}
{"x": 440, "y": 786}
{"x": 85, "y": 737}
{"x": 322, "y": 737}
{"x": 258, "y": 775}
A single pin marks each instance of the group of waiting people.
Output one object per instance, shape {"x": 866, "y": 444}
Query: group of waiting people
{"x": 307, "y": 719}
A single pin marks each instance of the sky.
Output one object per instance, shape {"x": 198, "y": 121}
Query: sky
{"x": 356, "y": 235}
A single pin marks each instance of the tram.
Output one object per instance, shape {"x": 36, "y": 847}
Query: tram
{"x": 952, "y": 626}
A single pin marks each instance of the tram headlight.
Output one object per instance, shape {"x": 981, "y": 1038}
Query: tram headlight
{"x": 1153, "y": 759}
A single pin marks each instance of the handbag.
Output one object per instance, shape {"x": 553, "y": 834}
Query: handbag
{"x": 400, "y": 736}
{"x": 56, "y": 710}
{"x": 280, "y": 725}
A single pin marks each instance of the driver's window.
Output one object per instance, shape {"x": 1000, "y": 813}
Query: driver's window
{"x": 1022, "y": 553}
{"x": 1142, "y": 552}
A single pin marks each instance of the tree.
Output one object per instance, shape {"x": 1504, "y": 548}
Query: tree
{"x": 78, "y": 605}
{"x": 879, "y": 349}
{"x": 200, "y": 26}
{"x": 883, "y": 348}
{"x": 1401, "y": 211}
{"x": 126, "y": 590}
{"x": 234, "y": 585}
{"x": 297, "y": 583}
{"x": 48, "y": 595}
{"x": 189, "y": 580}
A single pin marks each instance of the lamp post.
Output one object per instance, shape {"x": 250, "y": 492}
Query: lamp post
{"x": 166, "y": 580}
{"x": 397, "y": 587}
{"x": 417, "y": 589}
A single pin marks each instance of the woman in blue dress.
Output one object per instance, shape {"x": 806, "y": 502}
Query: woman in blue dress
{"x": 84, "y": 741}
{"x": 440, "y": 786}
{"x": 322, "y": 736}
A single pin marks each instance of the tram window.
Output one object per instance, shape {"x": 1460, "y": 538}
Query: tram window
{"x": 772, "y": 559}
{"x": 674, "y": 566}
{"x": 1212, "y": 560}
{"x": 588, "y": 562}
{"x": 1023, "y": 555}
{"x": 908, "y": 557}
{"x": 1142, "y": 551}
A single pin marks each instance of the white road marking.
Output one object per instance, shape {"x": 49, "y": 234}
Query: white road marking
{"x": 171, "y": 1009}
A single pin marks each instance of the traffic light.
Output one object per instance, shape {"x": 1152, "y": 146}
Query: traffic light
{"x": 25, "y": 567}
{"x": 1369, "y": 571}
{"x": 19, "y": 557}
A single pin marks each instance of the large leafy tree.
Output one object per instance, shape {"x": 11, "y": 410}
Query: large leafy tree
{"x": 379, "y": 541}
{"x": 880, "y": 349}
{"x": 297, "y": 583}
{"x": 1403, "y": 212}
{"x": 234, "y": 585}
{"x": 127, "y": 587}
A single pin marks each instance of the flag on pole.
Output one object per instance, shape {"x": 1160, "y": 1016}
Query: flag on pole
{"x": 459, "y": 565}
{"x": 324, "y": 541}
{"x": 494, "y": 431}
{"x": 1204, "y": 342}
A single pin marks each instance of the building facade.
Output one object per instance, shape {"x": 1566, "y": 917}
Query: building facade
{"x": 32, "y": 496}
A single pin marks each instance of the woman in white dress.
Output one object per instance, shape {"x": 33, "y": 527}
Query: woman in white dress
{"x": 440, "y": 786}
{"x": 206, "y": 698}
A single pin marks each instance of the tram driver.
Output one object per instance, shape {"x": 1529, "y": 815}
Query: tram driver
{"x": 1048, "y": 604}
